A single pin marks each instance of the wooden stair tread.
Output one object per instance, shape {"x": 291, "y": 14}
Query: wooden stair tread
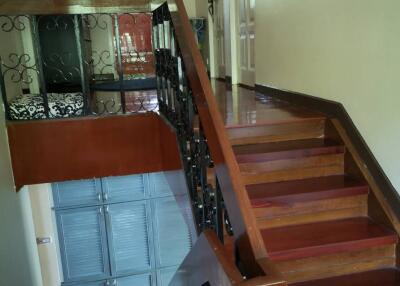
{"x": 322, "y": 238}
{"x": 270, "y": 116}
{"x": 286, "y": 150}
{"x": 381, "y": 277}
{"x": 319, "y": 188}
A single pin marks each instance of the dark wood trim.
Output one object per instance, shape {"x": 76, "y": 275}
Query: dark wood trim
{"x": 249, "y": 87}
{"x": 337, "y": 110}
{"x": 228, "y": 81}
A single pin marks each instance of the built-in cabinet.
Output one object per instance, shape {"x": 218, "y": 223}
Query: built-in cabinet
{"x": 122, "y": 231}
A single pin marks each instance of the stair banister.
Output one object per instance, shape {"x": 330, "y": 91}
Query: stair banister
{"x": 247, "y": 236}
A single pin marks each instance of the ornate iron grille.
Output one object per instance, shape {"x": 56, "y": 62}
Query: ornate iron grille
{"x": 77, "y": 65}
{"x": 177, "y": 106}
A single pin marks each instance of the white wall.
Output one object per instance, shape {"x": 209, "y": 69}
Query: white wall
{"x": 45, "y": 226}
{"x": 18, "y": 255}
{"x": 191, "y": 8}
{"x": 343, "y": 50}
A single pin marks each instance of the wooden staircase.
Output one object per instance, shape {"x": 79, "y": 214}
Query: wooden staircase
{"x": 303, "y": 206}
{"x": 311, "y": 205}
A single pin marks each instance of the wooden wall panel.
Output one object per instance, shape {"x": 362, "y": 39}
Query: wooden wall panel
{"x": 58, "y": 150}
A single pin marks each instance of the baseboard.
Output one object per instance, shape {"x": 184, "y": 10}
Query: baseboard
{"x": 335, "y": 109}
{"x": 249, "y": 87}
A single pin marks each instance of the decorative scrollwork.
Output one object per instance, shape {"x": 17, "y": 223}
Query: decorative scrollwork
{"x": 102, "y": 62}
{"x": 10, "y": 23}
{"x": 98, "y": 21}
{"x": 54, "y": 23}
{"x": 140, "y": 101}
{"x": 59, "y": 68}
{"x": 107, "y": 107}
{"x": 135, "y": 102}
{"x": 19, "y": 67}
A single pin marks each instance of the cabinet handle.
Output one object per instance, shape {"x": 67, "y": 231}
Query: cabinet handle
{"x": 107, "y": 283}
{"x": 114, "y": 282}
{"x": 99, "y": 197}
{"x": 107, "y": 209}
{"x": 100, "y": 210}
{"x": 106, "y": 197}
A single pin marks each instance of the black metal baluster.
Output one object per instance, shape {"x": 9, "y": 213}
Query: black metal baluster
{"x": 39, "y": 62}
{"x": 177, "y": 106}
{"x": 219, "y": 220}
{"x": 120, "y": 63}
{"x": 3, "y": 92}
{"x": 82, "y": 66}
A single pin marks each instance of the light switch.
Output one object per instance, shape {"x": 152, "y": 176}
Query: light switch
{"x": 43, "y": 240}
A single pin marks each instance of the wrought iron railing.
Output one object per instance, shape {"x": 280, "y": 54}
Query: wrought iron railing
{"x": 57, "y": 66}
{"x": 176, "y": 104}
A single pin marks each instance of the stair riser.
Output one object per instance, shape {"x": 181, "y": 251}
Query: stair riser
{"x": 292, "y": 169}
{"x": 292, "y": 199}
{"x": 338, "y": 264}
{"x": 290, "y": 164}
{"x": 292, "y": 154}
{"x": 277, "y": 132}
{"x": 309, "y": 212}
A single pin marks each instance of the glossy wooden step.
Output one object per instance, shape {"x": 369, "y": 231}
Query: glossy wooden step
{"x": 289, "y": 192}
{"x": 292, "y": 168}
{"x": 315, "y": 239}
{"x": 380, "y": 277}
{"x": 318, "y": 267}
{"x": 285, "y": 130}
{"x": 308, "y": 201}
{"x": 286, "y": 150}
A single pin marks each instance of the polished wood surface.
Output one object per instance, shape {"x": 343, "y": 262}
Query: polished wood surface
{"x": 310, "y": 200}
{"x": 58, "y": 150}
{"x": 323, "y": 238}
{"x": 358, "y": 165}
{"x": 40, "y": 7}
{"x": 289, "y": 192}
{"x": 337, "y": 264}
{"x": 243, "y": 107}
{"x": 381, "y": 277}
{"x": 337, "y": 111}
{"x": 286, "y": 150}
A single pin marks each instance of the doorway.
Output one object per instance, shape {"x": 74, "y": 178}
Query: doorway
{"x": 246, "y": 41}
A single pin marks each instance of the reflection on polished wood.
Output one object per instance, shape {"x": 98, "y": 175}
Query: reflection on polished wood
{"x": 311, "y": 205}
{"x": 41, "y": 7}
{"x": 243, "y": 107}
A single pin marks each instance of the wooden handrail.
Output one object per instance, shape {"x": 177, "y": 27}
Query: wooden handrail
{"x": 227, "y": 170}
{"x": 248, "y": 238}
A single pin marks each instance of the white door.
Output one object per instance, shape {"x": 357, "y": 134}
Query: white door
{"x": 220, "y": 38}
{"x": 246, "y": 41}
